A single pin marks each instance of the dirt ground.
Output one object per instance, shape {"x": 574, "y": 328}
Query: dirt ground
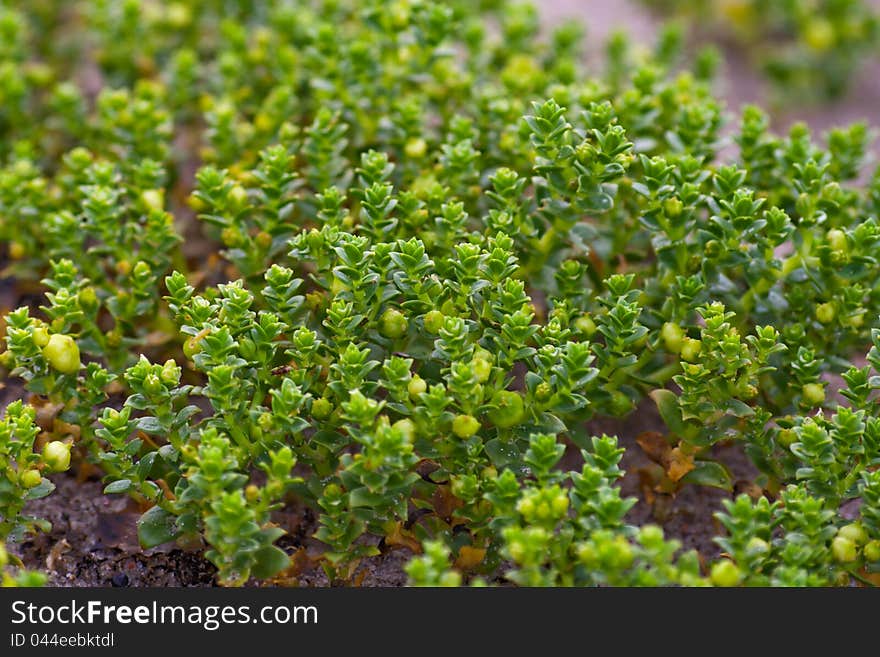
{"x": 93, "y": 541}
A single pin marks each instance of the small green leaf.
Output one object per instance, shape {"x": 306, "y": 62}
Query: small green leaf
{"x": 156, "y": 526}
{"x": 363, "y": 497}
{"x": 502, "y": 453}
{"x": 739, "y": 408}
{"x": 40, "y": 490}
{"x": 667, "y": 404}
{"x": 145, "y": 465}
{"x": 709, "y": 473}
{"x": 269, "y": 561}
{"x": 549, "y": 423}
{"x": 332, "y": 440}
{"x": 151, "y": 425}
{"x": 43, "y": 525}
{"x": 120, "y": 486}
{"x": 169, "y": 453}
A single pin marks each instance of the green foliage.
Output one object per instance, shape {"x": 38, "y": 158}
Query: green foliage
{"x": 15, "y": 576}
{"x": 803, "y": 46}
{"x": 21, "y": 480}
{"x": 22, "y": 471}
{"x": 386, "y": 262}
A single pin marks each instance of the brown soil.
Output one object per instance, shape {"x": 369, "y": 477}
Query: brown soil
{"x": 93, "y": 542}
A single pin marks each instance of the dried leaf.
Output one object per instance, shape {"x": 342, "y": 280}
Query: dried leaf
{"x": 873, "y": 578}
{"x": 61, "y": 428}
{"x": 399, "y": 537}
{"x": 46, "y": 412}
{"x": 649, "y": 478}
{"x": 750, "y": 488}
{"x": 55, "y": 554}
{"x": 469, "y": 557}
{"x": 445, "y": 503}
{"x": 679, "y": 464}
{"x": 655, "y": 446}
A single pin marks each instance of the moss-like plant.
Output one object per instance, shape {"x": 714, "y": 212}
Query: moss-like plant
{"x": 387, "y": 261}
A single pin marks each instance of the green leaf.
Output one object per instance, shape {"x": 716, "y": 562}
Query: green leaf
{"x": 532, "y": 380}
{"x": 169, "y": 453}
{"x": 739, "y": 408}
{"x": 156, "y": 526}
{"x": 145, "y": 465}
{"x": 502, "y": 453}
{"x": 40, "y": 490}
{"x": 667, "y": 404}
{"x": 363, "y": 497}
{"x": 549, "y": 423}
{"x": 269, "y": 561}
{"x": 582, "y": 438}
{"x": 709, "y": 473}
{"x": 43, "y": 525}
{"x": 151, "y": 425}
{"x": 185, "y": 413}
{"x": 332, "y": 440}
{"x": 120, "y": 486}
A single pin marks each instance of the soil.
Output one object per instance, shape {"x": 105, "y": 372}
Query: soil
{"x": 93, "y": 540}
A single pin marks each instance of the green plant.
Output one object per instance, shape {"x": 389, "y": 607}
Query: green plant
{"x": 14, "y": 576}
{"x": 22, "y": 479}
{"x": 421, "y": 256}
{"x": 811, "y": 48}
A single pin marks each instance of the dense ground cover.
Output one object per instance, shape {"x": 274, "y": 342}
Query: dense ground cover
{"x": 305, "y": 284}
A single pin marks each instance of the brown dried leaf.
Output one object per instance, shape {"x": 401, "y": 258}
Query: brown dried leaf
{"x": 469, "y": 557}
{"x": 445, "y": 503}
{"x": 359, "y": 578}
{"x": 649, "y": 476}
{"x": 426, "y": 468}
{"x": 399, "y": 537}
{"x": 55, "y": 554}
{"x": 873, "y": 578}
{"x": 679, "y": 464}
{"x": 86, "y": 471}
{"x": 750, "y": 488}
{"x": 61, "y": 428}
{"x": 655, "y": 447}
{"x": 46, "y": 412}
{"x": 300, "y": 563}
